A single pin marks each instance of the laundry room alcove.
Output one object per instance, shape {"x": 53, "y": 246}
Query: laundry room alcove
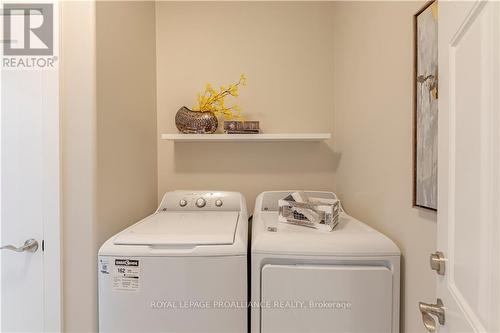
{"x": 329, "y": 82}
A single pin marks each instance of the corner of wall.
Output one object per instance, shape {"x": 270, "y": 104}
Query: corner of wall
{"x": 78, "y": 164}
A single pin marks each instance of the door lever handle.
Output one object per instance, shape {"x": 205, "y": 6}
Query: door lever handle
{"x": 31, "y": 245}
{"x": 429, "y": 310}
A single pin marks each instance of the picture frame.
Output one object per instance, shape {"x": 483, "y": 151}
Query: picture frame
{"x": 425, "y": 107}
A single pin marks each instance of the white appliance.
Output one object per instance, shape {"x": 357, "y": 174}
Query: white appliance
{"x": 307, "y": 280}
{"x": 182, "y": 269}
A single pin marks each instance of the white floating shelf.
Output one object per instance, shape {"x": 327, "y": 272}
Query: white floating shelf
{"x": 284, "y": 137}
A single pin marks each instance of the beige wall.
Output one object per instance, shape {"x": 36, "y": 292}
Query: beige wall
{"x": 373, "y": 137}
{"x": 108, "y": 138}
{"x": 126, "y": 115}
{"x": 78, "y": 135}
{"x": 286, "y": 51}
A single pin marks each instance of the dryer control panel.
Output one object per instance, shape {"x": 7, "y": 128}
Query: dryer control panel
{"x": 201, "y": 201}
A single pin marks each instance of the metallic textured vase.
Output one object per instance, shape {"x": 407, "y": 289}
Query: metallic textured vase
{"x": 195, "y": 122}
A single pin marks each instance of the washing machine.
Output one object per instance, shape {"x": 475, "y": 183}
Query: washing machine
{"x": 307, "y": 280}
{"x": 182, "y": 269}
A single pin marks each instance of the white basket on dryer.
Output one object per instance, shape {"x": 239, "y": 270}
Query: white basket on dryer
{"x": 319, "y": 213}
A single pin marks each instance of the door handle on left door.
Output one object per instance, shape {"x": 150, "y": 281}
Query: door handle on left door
{"x": 429, "y": 310}
{"x": 31, "y": 245}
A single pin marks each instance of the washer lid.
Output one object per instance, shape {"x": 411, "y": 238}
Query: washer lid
{"x": 182, "y": 228}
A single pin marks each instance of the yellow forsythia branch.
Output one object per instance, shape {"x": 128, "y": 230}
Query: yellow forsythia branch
{"x": 214, "y": 101}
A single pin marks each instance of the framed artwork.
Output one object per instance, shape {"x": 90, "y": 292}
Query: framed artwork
{"x": 426, "y": 107}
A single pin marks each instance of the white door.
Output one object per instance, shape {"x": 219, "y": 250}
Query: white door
{"x": 29, "y": 196}
{"x": 469, "y": 167}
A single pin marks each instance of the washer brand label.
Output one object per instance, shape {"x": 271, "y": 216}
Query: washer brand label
{"x": 126, "y": 275}
{"x": 126, "y": 262}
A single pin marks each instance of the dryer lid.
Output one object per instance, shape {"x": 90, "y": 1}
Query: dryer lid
{"x": 182, "y": 228}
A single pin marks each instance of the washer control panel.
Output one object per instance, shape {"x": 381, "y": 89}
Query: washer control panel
{"x": 201, "y": 201}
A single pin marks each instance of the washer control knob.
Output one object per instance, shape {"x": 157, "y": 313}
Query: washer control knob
{"x": 218, "y": 202}
{"x": 183, "y": 202}
{"x": 200, "y": 202}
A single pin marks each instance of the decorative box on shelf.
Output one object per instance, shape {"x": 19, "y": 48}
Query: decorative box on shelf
{"x": 241, "y": 127}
